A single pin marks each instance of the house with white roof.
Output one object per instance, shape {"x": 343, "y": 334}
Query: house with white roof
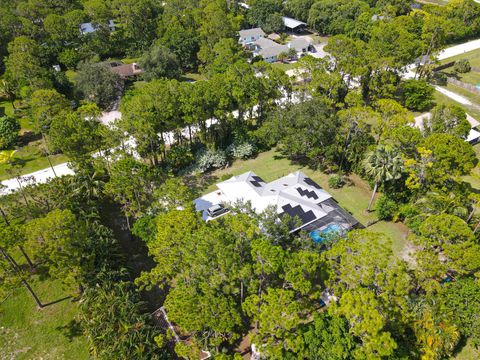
{"x": 249, "y": 36}
{"x": 300, "y": 45}
{"x": 295, "y": 194}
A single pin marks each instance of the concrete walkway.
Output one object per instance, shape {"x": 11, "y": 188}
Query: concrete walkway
{"x": 454, "y": 96}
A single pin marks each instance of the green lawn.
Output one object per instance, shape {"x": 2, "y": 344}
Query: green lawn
{"x": 29, "y": 158}
{"x": 473, "y": 97}
{"x": 6, "y": 108}
{"x": 471, "y": 77}
{"x": 193, "y": 77}
{"x": 50, "y": 333}
{"x": 442, "y": 99}
{"x": 271, "y": 165}
{"x": 285, "y": 66}
{"x": 473, "y": 57}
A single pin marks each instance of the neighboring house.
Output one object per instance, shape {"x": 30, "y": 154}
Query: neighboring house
{"x": 88, "y": 28}
{"x": 293, "y": 25}
{"x": 271, "y": 54}
{"x": 249, "y": 36}
{"x": 268, "y": 49}
{"x": 300, "y": 45}
{"x": 473, "y": 136}
{"x": 295, "y": 194}
{"x": 126, "y": 70}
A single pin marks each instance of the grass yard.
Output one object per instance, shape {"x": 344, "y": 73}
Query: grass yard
{"x": 285, "y": 66}
{"x": 271, "y": 165}
{"x": 473, "y": 97}
{"x": 468, "y": 352}
{"x": 193, "y": 77}
{"x": 48, "y": 334}
{"x": 6, "y": 108}
{"x": 29, "y": 158}
{"x": 471, "y": 77}
{"x": 442, "y": 99}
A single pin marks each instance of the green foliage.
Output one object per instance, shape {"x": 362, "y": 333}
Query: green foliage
{"x": 336, "y": 181}
{"x": 69, "y": 58}
{"x": 450, "y": 119}
{"x": 24, "y": 65}
{"x": 77, "y": 134}
{"x": 291, "y": 129}
{"x": 386, "y": 208}
{"x": 462, "y": 66}
{"x": 243, "y": 150}
{"x": 113, "y": 322}
{"x": 159, "y": 62}
{"x": 179, "y": 157}
{"x": 9, "y": 128}
{"x": 43, "y": 106}
{"x": 327, "y": 337}
{"x": 132, "y": 184}
{"x": 266, "y": 14}
{"x": 330, "y": 17}
{"x": 98, "y": 83}
{"x": 462, "y": 298}
{"x": 211, "y": 159}
{"x": 417, "y": 95}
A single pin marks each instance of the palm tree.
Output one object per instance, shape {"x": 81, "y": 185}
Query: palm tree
{"x": 382, "y": 165}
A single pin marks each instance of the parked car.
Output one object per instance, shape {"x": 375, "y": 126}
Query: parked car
{"x": 216, "y": 210}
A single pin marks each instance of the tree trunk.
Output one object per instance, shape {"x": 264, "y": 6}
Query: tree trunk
{"x": 470, "y": 216}
{"x": 14, "y": 266}
{"x": 48, "y": 154}
{"x": 29, "y": 261}
{"x": 4, "y": 216}
{"x": 373, "y": 196}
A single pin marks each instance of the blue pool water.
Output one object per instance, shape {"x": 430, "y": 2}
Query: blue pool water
{"x": 320, "y": 236}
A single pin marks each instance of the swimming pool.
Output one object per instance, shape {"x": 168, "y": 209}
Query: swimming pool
{"x": 319, "y": 236}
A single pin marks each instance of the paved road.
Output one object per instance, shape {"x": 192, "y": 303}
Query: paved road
{"x": 40, "y": 176}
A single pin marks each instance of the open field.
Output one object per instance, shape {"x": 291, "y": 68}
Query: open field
{"x": 49, "y": 334}
{"x": 271, "y": 165}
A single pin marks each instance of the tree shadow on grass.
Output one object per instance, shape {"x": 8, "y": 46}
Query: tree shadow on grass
{"x": 72, "y": 330}
{"x": 459, "y": 347}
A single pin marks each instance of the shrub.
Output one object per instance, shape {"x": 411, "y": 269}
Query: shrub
{"x": 9, "y": 128}
{"x": 439, "y": 78}
{"x": 462, "y": 66}
{"x": 336, "y": 181}
{"x": 211, "y": 159}
{"x": 243, "y": 150}
{"x": 417, "y": 94}
{"x": 179, "y": 156}
{"x": 386, "y": 208}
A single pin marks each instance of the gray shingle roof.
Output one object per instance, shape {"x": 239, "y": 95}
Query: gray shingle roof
{"x": 251, "y": 32}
